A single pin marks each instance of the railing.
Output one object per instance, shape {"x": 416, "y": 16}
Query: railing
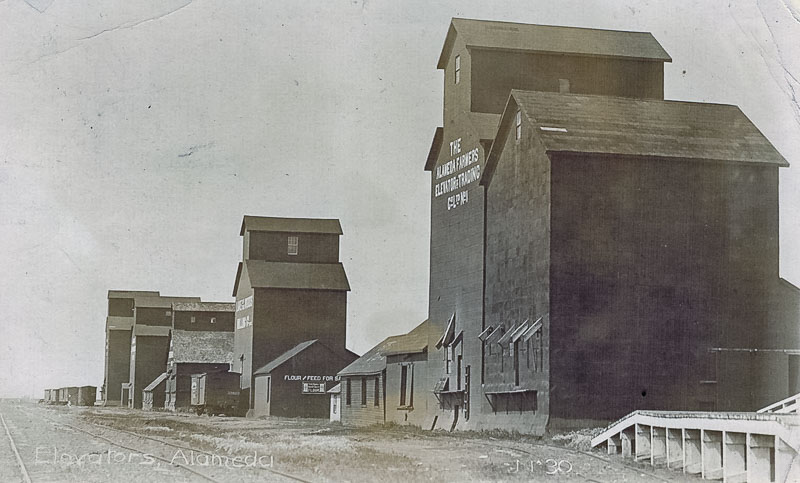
{"x": 790, "y": 405}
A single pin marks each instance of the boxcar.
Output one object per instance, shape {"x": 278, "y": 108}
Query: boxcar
{"x": 86, "y": 395}
{"x": 68, "y": 395}
{"x": 215, "y": 393}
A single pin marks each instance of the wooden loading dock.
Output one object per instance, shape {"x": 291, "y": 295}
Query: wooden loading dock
{"x": 732, "y": 446}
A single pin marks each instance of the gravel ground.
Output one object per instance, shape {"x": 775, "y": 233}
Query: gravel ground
{"x": 311, "y": 450}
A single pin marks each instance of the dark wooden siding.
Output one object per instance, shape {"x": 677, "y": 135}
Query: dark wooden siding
{"x": 149, "y": 363}
{"x": 518, "y": 269}
{"x": 653, "y": 263}
{"x": 118, "y": 363}
{"x": 499, "y": 72}
{"x": 312, "y": 247}
{"x": 224, "y": 321}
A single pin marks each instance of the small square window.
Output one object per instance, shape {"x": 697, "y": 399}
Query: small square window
{"x": 458, "y": 69}
{"x": 518, "y": 122}
{"x": 168, "y": 313}
{"x": 293, "y": 242}
{"x": 192, "y": 319}
{"x": 213, "y": 320}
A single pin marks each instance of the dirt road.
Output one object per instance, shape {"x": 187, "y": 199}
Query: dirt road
{"x": 104, "y": 444}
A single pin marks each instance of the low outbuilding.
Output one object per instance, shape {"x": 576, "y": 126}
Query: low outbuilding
{"x": 153, "y": 395}
{"x": 336, "y": 402}
{"x": 295, "y": 383}
{"x": 380, "y": 385}
{"x": 194, "y": 352}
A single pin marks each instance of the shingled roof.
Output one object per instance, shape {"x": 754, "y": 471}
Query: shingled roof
{"x": 289, "y": 275}
{"x": 200, "y": 346}
{"x": 374, "y": 360}
{"x": 286, "y": 356}
{"x": 576, "y": 123}
{"x": 290, "y": 225}
{"x": 552, "y": 39}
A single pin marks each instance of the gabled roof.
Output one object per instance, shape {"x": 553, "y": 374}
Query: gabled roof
{"x": 449, "y": 333}
{"x": 553, "y": 39}
{"x": 436, "y": 146}
{"x": 290, "y": 275}
{"x": 337, "y": 389}
{"x": 290, "y": 225}
{"x": 374, "y": 360}
{"x": 156, "y": 382}
{"x": 202, "y": 347}
{"x": 285, "y": 357}
{"x": 203, "y": 307}
{"x": 603, "y": 125}
{"x": 414, "y": 342}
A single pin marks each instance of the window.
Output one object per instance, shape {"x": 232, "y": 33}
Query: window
{"x": 458, "y": 373}
{"x": 403, "y": 378}
{"x": 458, "y": 69}
{"x": 293, "y": 242}
{"x": 518, "y": 122}
{"x": 449, "y": 359}
{"x": 269, "y": 385}
{"x": 192, "y": 319}
{"x": 407, "y": 385}
{"x": 539, "y": 352}
{"x": 363, "y": 391}
{"x": 213, "y": 320}
{"x": 348, "y": 398}
{"x": 377, "y": 383}
{"x": 528, "y": 353}
{"x": 168, "y": 313}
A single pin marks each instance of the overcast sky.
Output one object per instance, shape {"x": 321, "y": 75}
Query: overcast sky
{"x": 135, "y": 135}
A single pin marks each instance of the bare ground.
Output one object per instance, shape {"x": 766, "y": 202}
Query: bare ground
{"x": 318, "y": 450}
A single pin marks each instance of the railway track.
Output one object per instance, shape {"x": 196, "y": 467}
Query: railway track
{"x": 199, "y": 451}
{"x": 28, "y": 479}
{"x": 138, "y": 450}
{"x": 23, "y": 469}
{"x": 133, "y": 441}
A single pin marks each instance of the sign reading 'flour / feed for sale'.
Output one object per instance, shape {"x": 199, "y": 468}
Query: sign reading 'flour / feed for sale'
{"x": 456, "y": 174}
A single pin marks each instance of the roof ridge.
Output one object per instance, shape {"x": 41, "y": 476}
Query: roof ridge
{"x": 508, "y": 22}
{"x": 621, "y": 98}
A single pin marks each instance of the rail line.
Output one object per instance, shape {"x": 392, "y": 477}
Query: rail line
{"x": 174, "y": 445}
{"x": 25, "y": 476}
{"x": 271, "y": 470}
{"x": 120, "y": 445}
{"x": 289, "y": 476}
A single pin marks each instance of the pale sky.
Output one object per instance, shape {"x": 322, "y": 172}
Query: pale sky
{"x": 135, "y": 135}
